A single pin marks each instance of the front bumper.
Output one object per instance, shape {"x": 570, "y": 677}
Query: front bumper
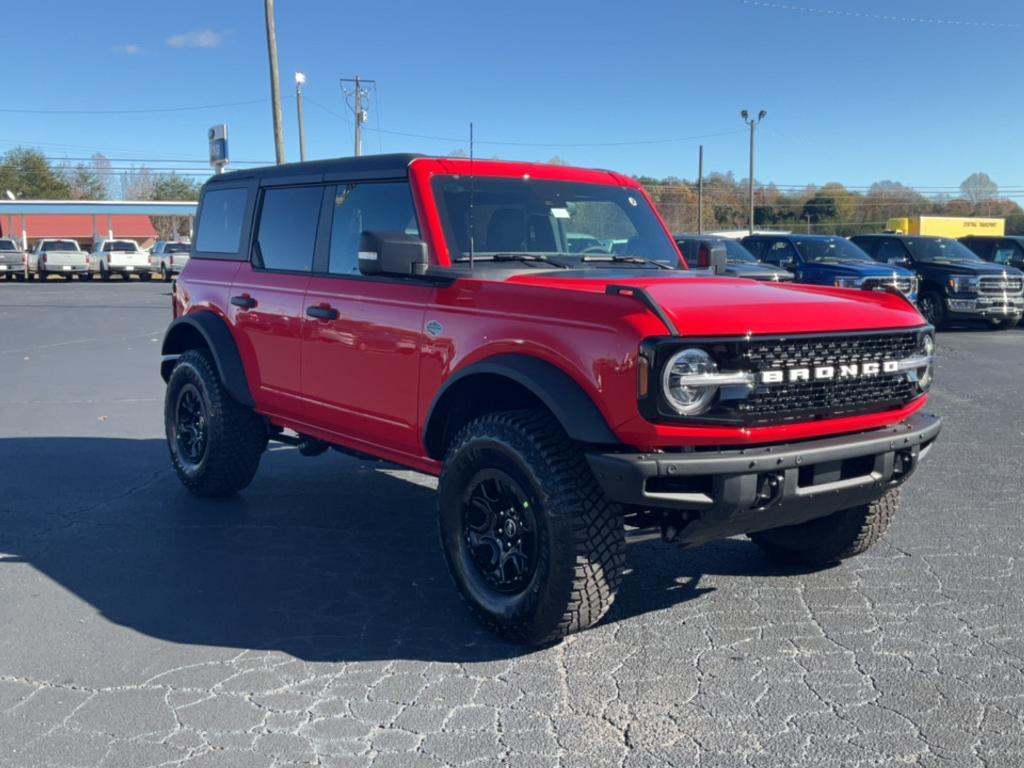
{"x": 985, "y": 306}
{"x": 753, "y": 489}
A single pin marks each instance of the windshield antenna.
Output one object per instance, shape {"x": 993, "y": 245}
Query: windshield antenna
{"x": 472, "y": 189}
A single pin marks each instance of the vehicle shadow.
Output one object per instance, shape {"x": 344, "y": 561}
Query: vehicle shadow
{"x": 325, "y": 559}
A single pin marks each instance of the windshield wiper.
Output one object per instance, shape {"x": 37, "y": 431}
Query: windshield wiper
{"x": 616, "y": 258}
{"x": 513, "y": 256}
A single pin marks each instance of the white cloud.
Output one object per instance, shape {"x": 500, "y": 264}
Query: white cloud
{"x": 201, "y": 38}
{"x": 129, "y": 49}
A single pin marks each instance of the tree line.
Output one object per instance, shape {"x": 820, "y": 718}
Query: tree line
{"x": 828, "y": 209}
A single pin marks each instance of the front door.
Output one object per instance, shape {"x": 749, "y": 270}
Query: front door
{"x": 267, "y": 296}
{"x": 362, "y": 337}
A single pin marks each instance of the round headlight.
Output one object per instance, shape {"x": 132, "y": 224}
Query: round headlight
{"x": 688, "y": 399}
{"x": 928, "y": 350}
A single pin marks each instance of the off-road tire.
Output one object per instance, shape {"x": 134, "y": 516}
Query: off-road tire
{"x": 580, "y": 555}
{"x": 838, "y": 536}
{"x": 236, "y": 436}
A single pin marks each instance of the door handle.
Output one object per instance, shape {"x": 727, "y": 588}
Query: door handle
{"x": 245, "y": 301}
{"x": 322, "y": 312}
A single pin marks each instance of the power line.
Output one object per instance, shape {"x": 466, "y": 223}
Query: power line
{"x": 880, "y": 16}
{"x": 151, "y": 110}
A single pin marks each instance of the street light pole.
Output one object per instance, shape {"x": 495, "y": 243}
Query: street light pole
{"x": 299, "y": 80}
{"x": 753, "y": 123}
{"x": 275, "y": 84}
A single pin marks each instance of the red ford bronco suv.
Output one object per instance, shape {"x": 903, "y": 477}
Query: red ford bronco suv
{"x": 430, "y": 312}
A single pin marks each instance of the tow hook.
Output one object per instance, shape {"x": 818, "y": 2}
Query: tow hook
{"x": 769, "y": 489}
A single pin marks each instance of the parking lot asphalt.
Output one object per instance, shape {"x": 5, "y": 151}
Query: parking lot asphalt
{"x": 310, "y": 620}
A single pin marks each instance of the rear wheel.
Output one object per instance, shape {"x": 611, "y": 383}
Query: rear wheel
{"x": 932, "y": 308}
{"x": 838, "y": 536}
{"x": 104, "y": 272}
{"x": 531, "y": 542}
{"x": 215, "y": 441}
{"x": 164, "y": 274}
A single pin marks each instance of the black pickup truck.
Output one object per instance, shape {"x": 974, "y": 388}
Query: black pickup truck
{"x": 955, "y": 283}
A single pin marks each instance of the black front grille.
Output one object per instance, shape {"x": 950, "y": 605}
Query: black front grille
{"x": 829, "y": 397}
{"x": 998, "y": 285}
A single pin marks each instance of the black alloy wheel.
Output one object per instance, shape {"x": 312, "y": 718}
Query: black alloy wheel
{"x": 931, "y": 308}
{"x": 500, "y": 532}
{"x": 190, "y": 427}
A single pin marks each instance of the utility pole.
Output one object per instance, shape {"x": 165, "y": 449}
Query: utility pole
{"x": 275, "y": 84}
{"x": 753, "y": 123}
{"x": 700, "y": 192}
{"x": 358, "y": 93}
{"x": 299, "y": 80}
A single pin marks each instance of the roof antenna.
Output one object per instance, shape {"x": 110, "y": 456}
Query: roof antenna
{"x": 472, "y": 189}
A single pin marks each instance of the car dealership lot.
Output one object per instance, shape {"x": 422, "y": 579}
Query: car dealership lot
{"x": 310, "y": 620}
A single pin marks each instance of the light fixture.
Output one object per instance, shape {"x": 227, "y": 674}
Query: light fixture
{"x": 300, "y": 78}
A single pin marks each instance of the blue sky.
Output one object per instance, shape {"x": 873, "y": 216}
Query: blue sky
{"x": 920, "y": 91}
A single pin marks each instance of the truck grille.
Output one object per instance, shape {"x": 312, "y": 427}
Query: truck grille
{"x": 830, "y": 398}
{"x": 997, "y": 286}
{"x": 905, "y": 285}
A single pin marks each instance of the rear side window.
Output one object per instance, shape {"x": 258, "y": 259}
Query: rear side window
{"x": 358, "y": 208}
{"x": 287, "y": 228}
{"x": 220, "y": 225}
{"x": 890, "y": 249}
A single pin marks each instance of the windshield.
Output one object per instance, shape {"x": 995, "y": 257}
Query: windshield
{"x": 177, "y": 248}
{"x": 935, "y": 249}
{"x": 125, "y": 245}
{"x": 734, "y": 251}
{"x": 7, "y": 245}
{"x": 568, "y": 222}
{"x": 830, "y": 249}
{"x": 60, "y": 245}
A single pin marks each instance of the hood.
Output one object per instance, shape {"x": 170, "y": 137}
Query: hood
{"x": 756, "y": 271}
{"x": 863, "y": 269}
{"x": 720, "y": 306}
{"x": 973, "y": 268}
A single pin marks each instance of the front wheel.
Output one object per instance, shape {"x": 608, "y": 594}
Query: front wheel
{"x": 836, "y": 537}
{"x": 933, "y": 310}
{"x": 1005, "y": 325}
{"x": 215, "y": 441}
{"x": 533, "y": 545}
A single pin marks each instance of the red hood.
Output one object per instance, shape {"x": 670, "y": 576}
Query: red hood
{"x": 726, "y": 307}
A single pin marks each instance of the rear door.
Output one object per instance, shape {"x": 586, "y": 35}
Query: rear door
{"x": 362, "y": 337}
{"x": 267, "y": 295}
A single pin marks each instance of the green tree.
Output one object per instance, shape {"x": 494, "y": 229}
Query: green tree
{"x": 28, "y": 174}
{"x": 84, "y": 183}
{"x": 171, "y": 186}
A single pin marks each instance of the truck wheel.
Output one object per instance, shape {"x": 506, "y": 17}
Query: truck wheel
{"x": 932, "y": 308}
{"x": 164, "y": 274}
{"x": 1005, "y": 325}
{"x": 531, "y": 542}
{"x": 144, "y": 276}
{"x": 836, "y": 537}
{"x": 42, "y": 275}
{"x": 215, "y": 441}
{"x": 104, "y": 273}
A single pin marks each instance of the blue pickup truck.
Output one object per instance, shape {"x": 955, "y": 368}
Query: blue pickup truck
{"x": 830, "y": 260}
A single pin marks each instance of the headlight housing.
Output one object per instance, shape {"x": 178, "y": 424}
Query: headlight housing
{"x": 849, "y": 282}
{"x": 681, "y": 385}
{"x": 962, "y": 283}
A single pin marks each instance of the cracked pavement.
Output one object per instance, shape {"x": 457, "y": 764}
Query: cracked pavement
{"x": 310, "y": 620}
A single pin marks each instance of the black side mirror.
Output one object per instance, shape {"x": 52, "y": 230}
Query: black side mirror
{"x": 392, "y": 253}
{"x": 712, "y": 257}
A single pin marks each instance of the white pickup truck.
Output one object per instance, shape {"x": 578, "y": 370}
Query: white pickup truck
{"x": 122, "y": 257}
{"x": 59, "y": 257}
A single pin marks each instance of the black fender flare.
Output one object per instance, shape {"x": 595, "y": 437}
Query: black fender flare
{"x": 181, "y": 336}
{"x": 571, "y": 405}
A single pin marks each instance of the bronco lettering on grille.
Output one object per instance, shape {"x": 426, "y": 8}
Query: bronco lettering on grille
{"x": 829, "y": 372}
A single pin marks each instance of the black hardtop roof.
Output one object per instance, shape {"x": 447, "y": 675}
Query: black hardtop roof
{"x": 792, "y": 236}
{"x": 383, "y": 165}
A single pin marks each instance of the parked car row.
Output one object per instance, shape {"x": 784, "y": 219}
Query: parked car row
{"x": 64, "y": 257}
{"x": 949, "y": 280}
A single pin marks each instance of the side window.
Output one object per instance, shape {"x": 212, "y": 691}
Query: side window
{"x": 358, "y": 208}
{"x": 220, "y": 225}
{"x": 1006, "y": 252}
{"x": 755, "y": 247}
{"x": 867, "y": 244}
{"x": 779, "y": 253}
{"x": 287, "y": 228}
{"x": 890, "y": 251}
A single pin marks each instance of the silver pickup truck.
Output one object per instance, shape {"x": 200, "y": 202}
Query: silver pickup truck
{"x": 60, "y": 257}
{"x": 13, "y": 261}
